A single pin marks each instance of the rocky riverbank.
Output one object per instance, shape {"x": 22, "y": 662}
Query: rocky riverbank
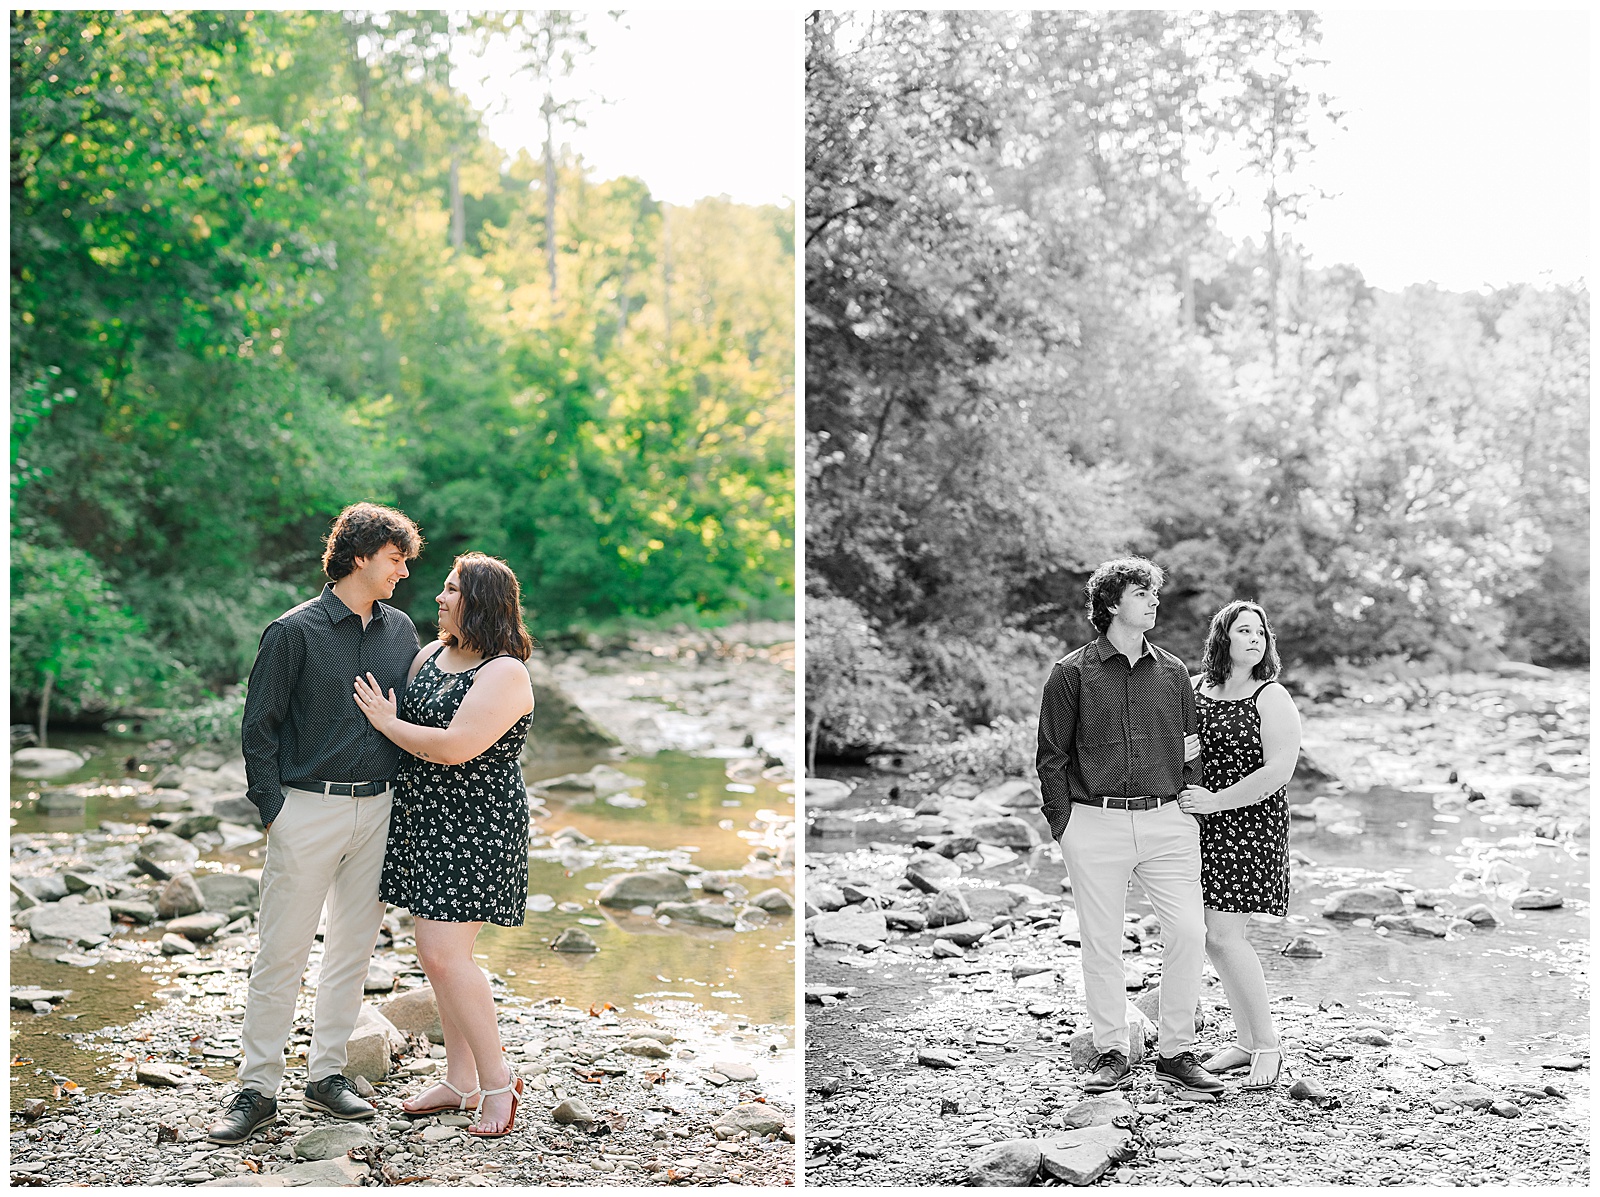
{"x": 945, "y": 1024}
{"x": 152, "y": 913}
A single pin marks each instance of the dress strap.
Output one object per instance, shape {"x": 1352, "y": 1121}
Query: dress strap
{"x": 1259, "y": 689}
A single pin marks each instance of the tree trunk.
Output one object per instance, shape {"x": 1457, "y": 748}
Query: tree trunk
{"x": 44, "y": 710}
{"x": 811, "y": 744}
{"x": 458, "y": 207}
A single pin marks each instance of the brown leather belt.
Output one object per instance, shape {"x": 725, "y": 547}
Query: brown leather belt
{"x": 1142, "y": 802}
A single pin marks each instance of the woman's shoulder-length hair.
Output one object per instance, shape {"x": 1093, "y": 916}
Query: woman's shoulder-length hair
{"x": 1216, "y": 662}
{"x": 490, "y": 614}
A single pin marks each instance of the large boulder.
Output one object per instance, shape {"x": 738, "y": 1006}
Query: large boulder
{"x": 416, "y": 1012}
{"x": 704, "y": 914}
{"x": 1363, "y": 902}
{"x": 45, "y": 762}
{"x": 229, "y": 891}
{"x": 163, "y": 856}
{"x": 644, "y": 889}
{"x": 372, "y": 1045}
{"x": 559, "y": 723}
{"x": 849, "y": 928}
{"x": 86, "y": 924}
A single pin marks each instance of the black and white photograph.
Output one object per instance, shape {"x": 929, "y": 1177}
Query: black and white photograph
{"x": 1196, "y": 598}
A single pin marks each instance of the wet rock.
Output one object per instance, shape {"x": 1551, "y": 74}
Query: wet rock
{"x": 1537, "y": 899}
{"x": 1431, "y": 899}
{"x": 46, "y": 887}
{"x": 703, "y": 914}
{"x": 192, "y": 825}
{"x": 644, "y": 889}
{"x": 1017, "y": 793}
{"x": 1480, "y": 915}
{"x": 951, "y": 846}
{"x": 964, "y": 934}
{"x": 81, "y": 883}
{"x": 24, "y": 998}
{"x": 237, "y": 809}
{"x": 754, "y": 1117}
{"x": 229, "y": 891}
{"x": 945, "y": 950}
{"x": 330, "y": 1142}
{"x": 1563, "y": 1063}
{"x": 21, "y": 899}
{"x": 415, "y": 1012}
{"x": 571, "y": 1112}
{"x": 1367, "y": 901}
{"x": 45, "y": 762}
{"x": 824, "y": 793}
{"x": 1012, "y": 1164}
{"x": 773, "y": 901}
{"x": 575, "y": 939}
{"x": 1081, "y": 1157}
{"x": 1302, "y": 947}
{"x": 854, "y": 894}
{"x": 931, "y": 873}
{"x": 180, "y": 896}
{"x": 85, "y": 924}
{"x": 1413, "y": 924}
{"x": 176, "y": 945}
{"x": 848, "y": 928}
{"x": 825, "y": 897}
{"x": 939, "y": 1057}
{"x": 372, "y": 1045}
{"x": 1525, "y": 796}
{"x": 946, "y": 908}
{"x": 163, "y": 856}
{"x": 1006, "y": 832}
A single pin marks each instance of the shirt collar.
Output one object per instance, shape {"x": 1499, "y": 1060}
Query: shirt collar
{"x": 1107, "y": 650}
{"x": 335, "y": 607}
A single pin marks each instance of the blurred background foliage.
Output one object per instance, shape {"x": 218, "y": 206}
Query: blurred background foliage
{"x": 265, "y": 264}
{"x": 1028, "y": 349}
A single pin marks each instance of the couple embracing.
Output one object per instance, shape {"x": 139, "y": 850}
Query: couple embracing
{"x": 369, "y": 800}
{"x": 1206, "y": 832}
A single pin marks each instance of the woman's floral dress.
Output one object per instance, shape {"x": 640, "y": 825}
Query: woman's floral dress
{"x": 1244, "y": 853}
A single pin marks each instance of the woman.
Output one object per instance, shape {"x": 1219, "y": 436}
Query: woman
{"x": 457, "y": 855}
{"x": 1250, "y": 743}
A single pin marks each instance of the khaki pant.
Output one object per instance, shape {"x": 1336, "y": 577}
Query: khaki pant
{"x": 321, "y": 848}
{"x": 1161, "y": 847}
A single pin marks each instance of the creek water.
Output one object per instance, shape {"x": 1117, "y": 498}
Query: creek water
{"x": 736, "y": 988}
{"x": 1503, "y": 994}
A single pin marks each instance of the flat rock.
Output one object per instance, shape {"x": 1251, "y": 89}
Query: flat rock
{"x": 1006, "y": 832}
{"x": 1103, "y": 1110}
{"x": 142, "y": 913}
{"x": 1537, "y": 899}
{"x": 939, "y": 1057}
{"x": 824, "y": 896}
{"x": 964, "y": 934}
{"x": 330, "y": 1142}
{"x": 931, "y": 873}
{"x": 173, "y": 944}
{"x": 198, "y": 927}
{"x": 1017, "y": 793}
{"x": 988, "y": 904}
{"x": 1563, "y": 1063}
{"x": 823, "y": 793}
{"x": 905, "y": 920}
{"x": 644, "y": 889}
{"x": 1367, "y": 901}
{"x": 753, "y": 1117}
{"x": 45, "y": 762}
{"x": 83, "y": 924}
{"x": 1081, "y": 1157}
{"x": 229, "y": 891}
{"x": 703, "y": 914}
{"x": 163, "y": 856}
{"x": 163, "y": 1074}
{"x": 1413, "y": 924}
{"x": 24, "y": 998}
{"x": 1012, "y": 1164}
{"x": 1467, "y": 1095}
{"x": 848, "y": 928}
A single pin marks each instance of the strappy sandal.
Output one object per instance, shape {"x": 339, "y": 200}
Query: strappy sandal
{"x": 1235, "y": 1046}
{"x": 1276, "y": 1076}
{"x": 457, "y": 1108}
{"x": 515, "y": 1089}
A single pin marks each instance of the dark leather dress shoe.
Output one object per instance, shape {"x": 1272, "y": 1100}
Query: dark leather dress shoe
{"x": 1110, "y": 1072}
{"x": 337, "y": 1096}
{"x": 247, "y": 1113}
{"x": 1184, "y": 1073}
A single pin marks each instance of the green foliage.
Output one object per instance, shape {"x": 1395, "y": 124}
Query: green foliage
{"x": 265, "y": 264}
{"x": 71, "y": 636}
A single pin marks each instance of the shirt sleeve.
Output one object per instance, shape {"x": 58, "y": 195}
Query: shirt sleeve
{"x": 1058, "y": 731}
{"x": 1193, "y": 771}
{"x": 266, "y": 705}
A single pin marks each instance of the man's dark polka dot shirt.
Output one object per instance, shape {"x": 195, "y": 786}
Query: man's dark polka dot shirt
{"x": 301, "y": 722}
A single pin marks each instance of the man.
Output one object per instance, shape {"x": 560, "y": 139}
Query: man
{"x": 321, "y": 774}
{"x": 1115, "y": 728}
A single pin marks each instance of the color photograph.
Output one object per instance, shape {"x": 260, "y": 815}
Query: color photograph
{"x": 402, "y": 598}
{"x": 1196, "y": 598}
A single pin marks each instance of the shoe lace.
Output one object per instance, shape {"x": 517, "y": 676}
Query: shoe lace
{"x": 1185, "y": 1060}
{"x": 338, "y": 1082}
{"x": 1109, "y": 1060}
{"x": 249, "y": 1099}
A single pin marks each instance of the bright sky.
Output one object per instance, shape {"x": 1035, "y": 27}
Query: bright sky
{"x": 702, "y": 103}
{"x": 1466, "y": 152}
